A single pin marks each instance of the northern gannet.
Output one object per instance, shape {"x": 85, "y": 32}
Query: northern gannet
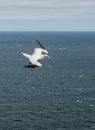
{"x": 38, "y": 55}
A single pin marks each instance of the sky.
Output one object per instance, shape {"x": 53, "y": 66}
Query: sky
{"x": 47, "y": 15}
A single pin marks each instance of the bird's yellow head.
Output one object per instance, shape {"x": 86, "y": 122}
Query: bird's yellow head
{"x": 46, "y": 56}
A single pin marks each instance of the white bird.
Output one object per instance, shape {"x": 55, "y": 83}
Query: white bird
{"x": 38, "y": 55}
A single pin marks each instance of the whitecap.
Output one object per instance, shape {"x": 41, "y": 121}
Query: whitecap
{"x": 78, "y": 101}
{"x": 11, "y": 47}
{"x": 50, "y": 66}
{"x": 62, "y": 49}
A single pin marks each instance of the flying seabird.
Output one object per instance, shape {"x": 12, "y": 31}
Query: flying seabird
{"x": 38, "y": 55}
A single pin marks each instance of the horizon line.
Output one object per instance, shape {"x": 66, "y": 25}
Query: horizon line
{"x": 47, "y": 31}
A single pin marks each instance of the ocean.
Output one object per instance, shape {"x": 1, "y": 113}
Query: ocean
{"x": 58, "y": 96}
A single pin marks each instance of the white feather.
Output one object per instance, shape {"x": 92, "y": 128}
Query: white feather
{"x": 26, "y": 55}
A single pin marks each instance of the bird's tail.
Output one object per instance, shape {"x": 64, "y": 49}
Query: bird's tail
{"x": 26, "y": 55}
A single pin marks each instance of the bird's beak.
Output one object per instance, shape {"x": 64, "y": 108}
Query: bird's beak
{"x": 48, "y": 56}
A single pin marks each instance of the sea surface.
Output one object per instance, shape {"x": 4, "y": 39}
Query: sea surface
{"x": 58, "y": 96}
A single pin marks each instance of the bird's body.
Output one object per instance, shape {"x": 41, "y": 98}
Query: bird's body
{"x": 38, "y": 55}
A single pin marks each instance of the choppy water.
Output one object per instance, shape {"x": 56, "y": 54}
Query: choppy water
{"x": 58, "y": 96}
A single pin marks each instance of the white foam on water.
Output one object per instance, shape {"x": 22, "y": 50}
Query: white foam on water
{"x": 62, "y": 49}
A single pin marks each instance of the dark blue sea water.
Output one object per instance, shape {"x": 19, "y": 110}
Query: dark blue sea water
{"x": 58, "y": 96}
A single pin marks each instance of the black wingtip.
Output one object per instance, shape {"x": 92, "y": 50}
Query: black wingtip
{"x": 30, "y": 66}
{"x": 40, "y": 45}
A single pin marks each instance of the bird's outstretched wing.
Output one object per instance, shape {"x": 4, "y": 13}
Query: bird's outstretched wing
{"x": 39, "y": 51}
{"x": 40, "y": 45}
